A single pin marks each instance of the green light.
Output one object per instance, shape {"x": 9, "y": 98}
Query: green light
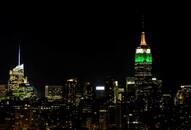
{"x": 143, "y": 57}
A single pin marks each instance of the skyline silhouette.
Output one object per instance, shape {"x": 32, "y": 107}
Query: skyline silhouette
{"x": 95, "y": 44}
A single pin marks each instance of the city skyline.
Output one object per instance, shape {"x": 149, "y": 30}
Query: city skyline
{"x": 95, "y": 68}
{"x": 95, "y": 51}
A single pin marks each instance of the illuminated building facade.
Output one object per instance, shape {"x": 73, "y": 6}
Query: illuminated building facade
{"x": 18, "y": 83}
{"x": 143, "y": 67}
{"x": 183, "y": 96}
{"x": 53, "y": 92}
{"x": 16, "y": 77}
{"x": 143, "y": 61}
{"x": 148, "y": 89}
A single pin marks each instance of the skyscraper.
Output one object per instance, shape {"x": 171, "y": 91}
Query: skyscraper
{"x": 143, "y": 61}
{"x": 70, "y": 89}
{"x": 147, "y": 88}
{"x": 18, "y": 83}
{"x": 17, "y": 75}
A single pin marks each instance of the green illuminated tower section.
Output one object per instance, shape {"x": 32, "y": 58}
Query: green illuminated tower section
{"x": 143, "y": 60}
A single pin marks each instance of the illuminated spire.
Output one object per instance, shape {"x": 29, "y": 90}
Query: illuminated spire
{"x": 19, "y": 56}
{"x": 143, "y": 41}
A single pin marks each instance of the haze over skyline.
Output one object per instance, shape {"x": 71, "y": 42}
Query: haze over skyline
{"x": 94, "y": 44}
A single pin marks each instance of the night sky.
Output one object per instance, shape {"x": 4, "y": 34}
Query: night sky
{"x": 93, "y": 42}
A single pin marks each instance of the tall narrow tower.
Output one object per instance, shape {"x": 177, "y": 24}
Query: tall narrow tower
{"x": 143, "y": 61}
{"x": 19, "y": 56}
{"x": 148, "y": 89}
{"x": 18, "y": 83}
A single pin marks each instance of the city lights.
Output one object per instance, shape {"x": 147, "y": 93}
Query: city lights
{"x": 100, "y": 87}
{"x": 109, "y": 102}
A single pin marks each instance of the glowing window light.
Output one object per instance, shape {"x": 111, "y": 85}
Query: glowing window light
{"x": 131, "y": 82}
{"x": 116, "y": 83}
{"x": 100, "y": 87}
{"x": 154, "y": 78}
{"x": 148, "y": 51}
{"x": 139, "y": 50}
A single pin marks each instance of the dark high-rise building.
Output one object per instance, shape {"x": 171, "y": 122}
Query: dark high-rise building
{"x": 87, "y": 89}
{"x": 130, "y": 85}
{"x": 70, "y": 89}
{"x": 112, "y": 88}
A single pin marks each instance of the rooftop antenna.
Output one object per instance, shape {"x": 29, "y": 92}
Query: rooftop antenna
{"x": 143, "y": 41}
{"x": 143, "y": 23}
{"x": 19, "y": 54}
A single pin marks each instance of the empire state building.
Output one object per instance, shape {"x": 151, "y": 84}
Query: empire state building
{"x": 143, "y": 61}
